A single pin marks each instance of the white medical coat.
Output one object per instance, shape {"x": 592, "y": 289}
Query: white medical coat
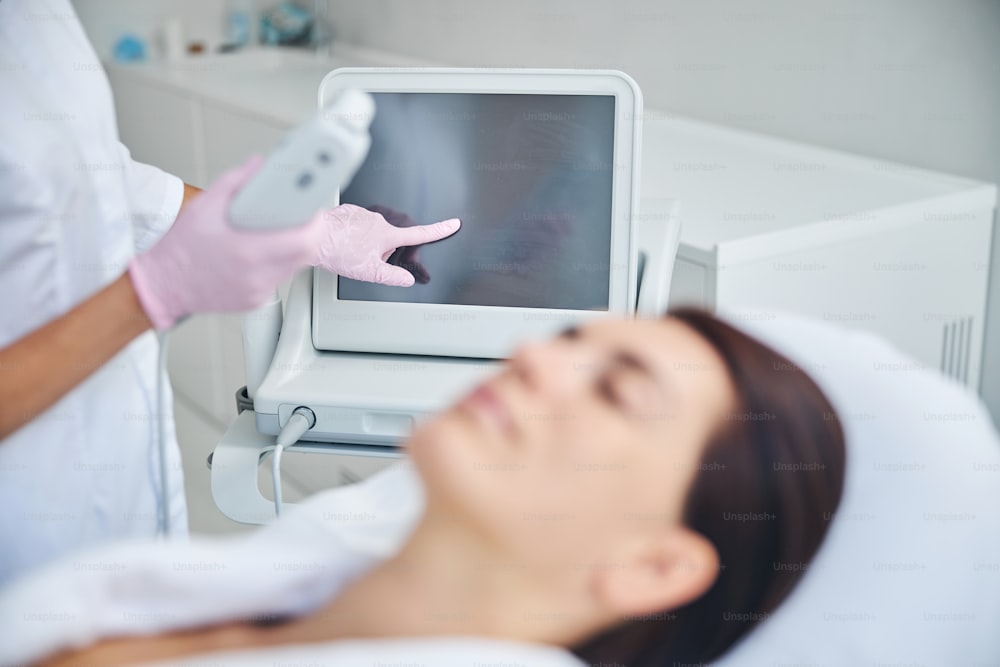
{"x": 74, "y": 207}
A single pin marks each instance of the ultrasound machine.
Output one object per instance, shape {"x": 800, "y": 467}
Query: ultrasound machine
{"x": 542, "y": 168}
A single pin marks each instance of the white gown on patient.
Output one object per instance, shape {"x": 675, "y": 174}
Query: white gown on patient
{"x": 291, "y": 567}
{"x": 74, "y": 207}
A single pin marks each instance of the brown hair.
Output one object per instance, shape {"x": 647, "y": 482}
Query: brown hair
{"x": 769, "y": 482}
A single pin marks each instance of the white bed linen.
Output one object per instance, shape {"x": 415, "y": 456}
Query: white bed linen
{"x": 289, "y": 567}
{"x": 423, "y": 652}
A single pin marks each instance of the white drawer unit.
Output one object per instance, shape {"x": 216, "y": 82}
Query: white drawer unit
{"x": 159, "y": 125}
{"x": 771, "y": 224}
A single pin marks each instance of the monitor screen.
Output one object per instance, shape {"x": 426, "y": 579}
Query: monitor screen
{"x": 529, "y": 175}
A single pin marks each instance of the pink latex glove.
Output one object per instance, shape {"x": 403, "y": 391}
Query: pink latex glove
{"x": 405, "y": 256}
{"x": 205, "y": 264}
{"x": 365, "y": 242}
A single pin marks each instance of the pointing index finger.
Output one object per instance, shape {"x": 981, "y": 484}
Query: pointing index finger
{"x": 420, "y": 234}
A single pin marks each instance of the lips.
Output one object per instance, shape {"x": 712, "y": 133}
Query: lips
{"x": 484, "y": 402}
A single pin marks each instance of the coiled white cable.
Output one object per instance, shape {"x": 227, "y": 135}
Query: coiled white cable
{"x": 302, "y": 420}
{"x": 163, "y": 509}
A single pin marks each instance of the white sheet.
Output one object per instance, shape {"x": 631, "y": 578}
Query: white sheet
{"x": 289, "y": 567}
{"x": 426, "y": 652}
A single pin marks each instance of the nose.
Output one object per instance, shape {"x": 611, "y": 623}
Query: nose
{"x": 527, "y": 361}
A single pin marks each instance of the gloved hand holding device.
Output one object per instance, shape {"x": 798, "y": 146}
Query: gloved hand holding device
{"x": 258, "y": 224}
{"x": 205, "y": 264}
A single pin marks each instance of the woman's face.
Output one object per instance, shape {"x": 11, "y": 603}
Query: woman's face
{"x": 582, "y": 440}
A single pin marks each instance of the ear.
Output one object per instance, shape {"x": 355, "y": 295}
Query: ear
{"x": 657, "y": 573}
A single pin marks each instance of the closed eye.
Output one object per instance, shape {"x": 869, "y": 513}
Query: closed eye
{"x": 570, "y": 333}
{"x": 606, "y": 390}
{"x": 621, "y": 389}
{"x": 628, "y": 390}
{"x": 632, "y": 397}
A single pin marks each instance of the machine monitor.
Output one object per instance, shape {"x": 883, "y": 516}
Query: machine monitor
{"x": 540, "y": 166}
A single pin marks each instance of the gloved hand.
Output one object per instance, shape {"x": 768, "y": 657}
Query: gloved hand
{"x": 405, "y": 256}
{"x": 361, "y": 242}
{"x": 205, "y": 264}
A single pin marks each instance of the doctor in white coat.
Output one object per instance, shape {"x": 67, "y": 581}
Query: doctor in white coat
{"x": 96, "y": 250}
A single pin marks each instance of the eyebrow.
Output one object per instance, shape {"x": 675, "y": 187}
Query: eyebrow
{"x": 630, "y": 360}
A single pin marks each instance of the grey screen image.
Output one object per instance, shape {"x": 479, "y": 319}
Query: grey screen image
{"x": 530, "y": 176}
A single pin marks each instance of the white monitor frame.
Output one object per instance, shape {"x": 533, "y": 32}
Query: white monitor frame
{"x": 472, "y": 330}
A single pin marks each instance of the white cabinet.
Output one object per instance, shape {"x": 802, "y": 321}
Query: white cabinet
{"x": 232, "y": 136}
{"x": 159, "y": 126}
{"x": 769, "y": 224}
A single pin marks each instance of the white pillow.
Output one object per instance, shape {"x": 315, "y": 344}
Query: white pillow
{"x": 909, "y": 573}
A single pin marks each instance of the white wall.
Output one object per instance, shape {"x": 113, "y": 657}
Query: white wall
{"x": 917, "y": 81}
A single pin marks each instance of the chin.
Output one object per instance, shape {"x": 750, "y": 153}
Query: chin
{"x": 439, "y": 443}
{"x": 445, "y": 453}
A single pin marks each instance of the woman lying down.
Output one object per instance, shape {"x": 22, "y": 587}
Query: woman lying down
{"x": 615, "y": 492}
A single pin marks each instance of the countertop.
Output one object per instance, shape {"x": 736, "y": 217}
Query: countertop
{"x": 738, "y": 188}
{"x": 279, "y": 85}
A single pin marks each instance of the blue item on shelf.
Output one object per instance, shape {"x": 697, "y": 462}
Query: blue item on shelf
{"x": 287, "y": 24}
{"x": 129, "y": 48}
{"x": 238, "y": 28}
